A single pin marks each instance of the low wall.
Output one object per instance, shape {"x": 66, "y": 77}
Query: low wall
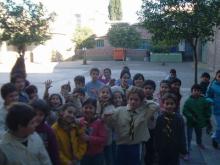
{"x": 166, "y": 57}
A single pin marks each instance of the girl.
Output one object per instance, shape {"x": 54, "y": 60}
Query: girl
{"x": 169, "y": 134}
{"x": 105, "y": 105}
{"x": 213, "y": 93}
{"x": 164, "y": 88}
{"x": 118, "y": 98}
{"x": 21, "y": 145}
{"x": 130, "y": 125}
{"x": 138, "y": 80}
{"x": 68, "y": 134}
{"x": 46, "y": 133}
{"x": 54, "y": 101}
{"x": 96, "y": 134}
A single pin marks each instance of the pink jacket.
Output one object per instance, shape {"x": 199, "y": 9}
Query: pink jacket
{"x": 97, "y": 137}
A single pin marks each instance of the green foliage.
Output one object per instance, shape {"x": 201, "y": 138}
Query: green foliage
{"x": 160, "y": 47}
{"x": 84, "y": 37}
{"x": 24, "y": 24}
{"x": 114, "y": 9}
{"x": 176, "y": 20}
{"x": 122, "y": 35}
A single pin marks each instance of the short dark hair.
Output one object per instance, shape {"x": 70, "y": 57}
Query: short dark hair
{"x": 108, "y": 70}
{"x": 173, "y": 71}
{"x": 94, "y": 70}
{"x": 31, "y": 89}
{"x": 196, "y": 86}
{"x": 137, "y": 76}
{"x": 165, "y": 82}
{"x": 136, "y": 90}
{"x": 206, "y": 74}
{"x": 79, "y": 78}
{"x": 40, "y": 105}
{"x": 19, "y": 114}
{"x": 125, "y": 72}
{"x": 15, "y": 76}
{"x": 169, "y": 96}
{"x": 66, "y": 105}
{"x": 7, "y": 89}
{"x": 91, "y": 101}
{"x": 151, "y": 83}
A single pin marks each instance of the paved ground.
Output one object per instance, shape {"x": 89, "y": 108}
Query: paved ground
{"x": 63, "y": 72}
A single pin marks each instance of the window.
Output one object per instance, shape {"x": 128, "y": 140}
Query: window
{"x": 99, "y": 43}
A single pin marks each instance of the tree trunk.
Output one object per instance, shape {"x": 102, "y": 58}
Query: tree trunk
{"x": 195, "y": 65}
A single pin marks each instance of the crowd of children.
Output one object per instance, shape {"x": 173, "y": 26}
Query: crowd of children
{"x": 106, "y": 121}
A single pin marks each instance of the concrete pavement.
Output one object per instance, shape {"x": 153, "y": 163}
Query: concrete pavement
{"x": 63, "y": 72}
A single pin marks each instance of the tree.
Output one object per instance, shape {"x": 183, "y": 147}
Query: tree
{"x": 83, "y": 37}
{"x": 114, "y": 10}
{"x": 24, "y": 24}
{"x": 122, "y": 35}
{"x": 190, "y": 20}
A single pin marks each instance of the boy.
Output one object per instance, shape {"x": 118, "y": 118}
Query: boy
{"x": 172, "y": 75}
{"x": 197, "y": 111}
{"x": 169, "y": 134}
{"x": 205, "y": 80}
{"x": 79, "y": 81}
{"x": 175, "y": 85}
{"x": 19, "y": 81}
{"x": 9, "y": 95}
{"x": 20, "y": 145}
{"x": 149, "y": 88}
{"x": 94, "y": 85}
{"x": 32, "y": 92}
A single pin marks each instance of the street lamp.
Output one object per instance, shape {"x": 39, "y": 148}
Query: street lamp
{"x": 84, "y": 56}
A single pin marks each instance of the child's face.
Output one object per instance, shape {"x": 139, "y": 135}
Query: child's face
{"x": 169, "y": 105}
{"x": 79, "y": 84}
{"x": 172, "y": 74}
{"x": 117, "y": 99}
{"x": 55, "y": 101}
{"x": 218, "y": 77}
{"x": 196, "y": 93}
{"x": 11, "y": 97}
{"x": 134, "y": 101}
{"x": 124, "y": 79}
{"x": 33, "y": 96}
{"x": 39, "y": 117}
{"x": 205, "y": 79}
{"x": 139, "y": 82}
{"x": 89, "y": 111}
{"x": 104, "y": 94}
{"x": 19, "y": 84}
{"x": 164, "y": 88}
{"x": 175, "y": 86}
{"x": 29, "y": 129}
{"x": 107, "y": 74}
{"x": 69, "y": 114}
{"x": 148, "y": 90}
{"x": 94, "y": 75}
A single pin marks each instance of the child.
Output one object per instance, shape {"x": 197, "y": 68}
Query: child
{"x": 9, "y": 95}
{"x": 96, "y": 135}
{"x": 164, "y": 88}
{"x": 149, "y": 87}
{"x": 46, "y": 133}
{"x": 118, "y": 97}
{"x": 106, "y": 77}
{"x": 130, "y": 124}
{"x": 138, "y": 80}
{"x": 172, "y": 75}
{"x": 205, "y": 80}
{"x": 32, "y": 92}
{"x": 79, "y": 81}
{"x": 54, "y": 101}
{"x": 94, "y": 85}
{"x": 20, "y": 144}
{"x": 197, "y": 111}
{"x": 68, "y": 134}
{"x": 213, "y": 93}
{"x": 175, "y": 85}
{"x": 19, "y": 81}
{"x": 105, "y": 105}
{"x": 170, "y": 134}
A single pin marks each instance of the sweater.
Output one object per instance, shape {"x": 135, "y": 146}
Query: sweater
{"x": 197, "y": 112}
